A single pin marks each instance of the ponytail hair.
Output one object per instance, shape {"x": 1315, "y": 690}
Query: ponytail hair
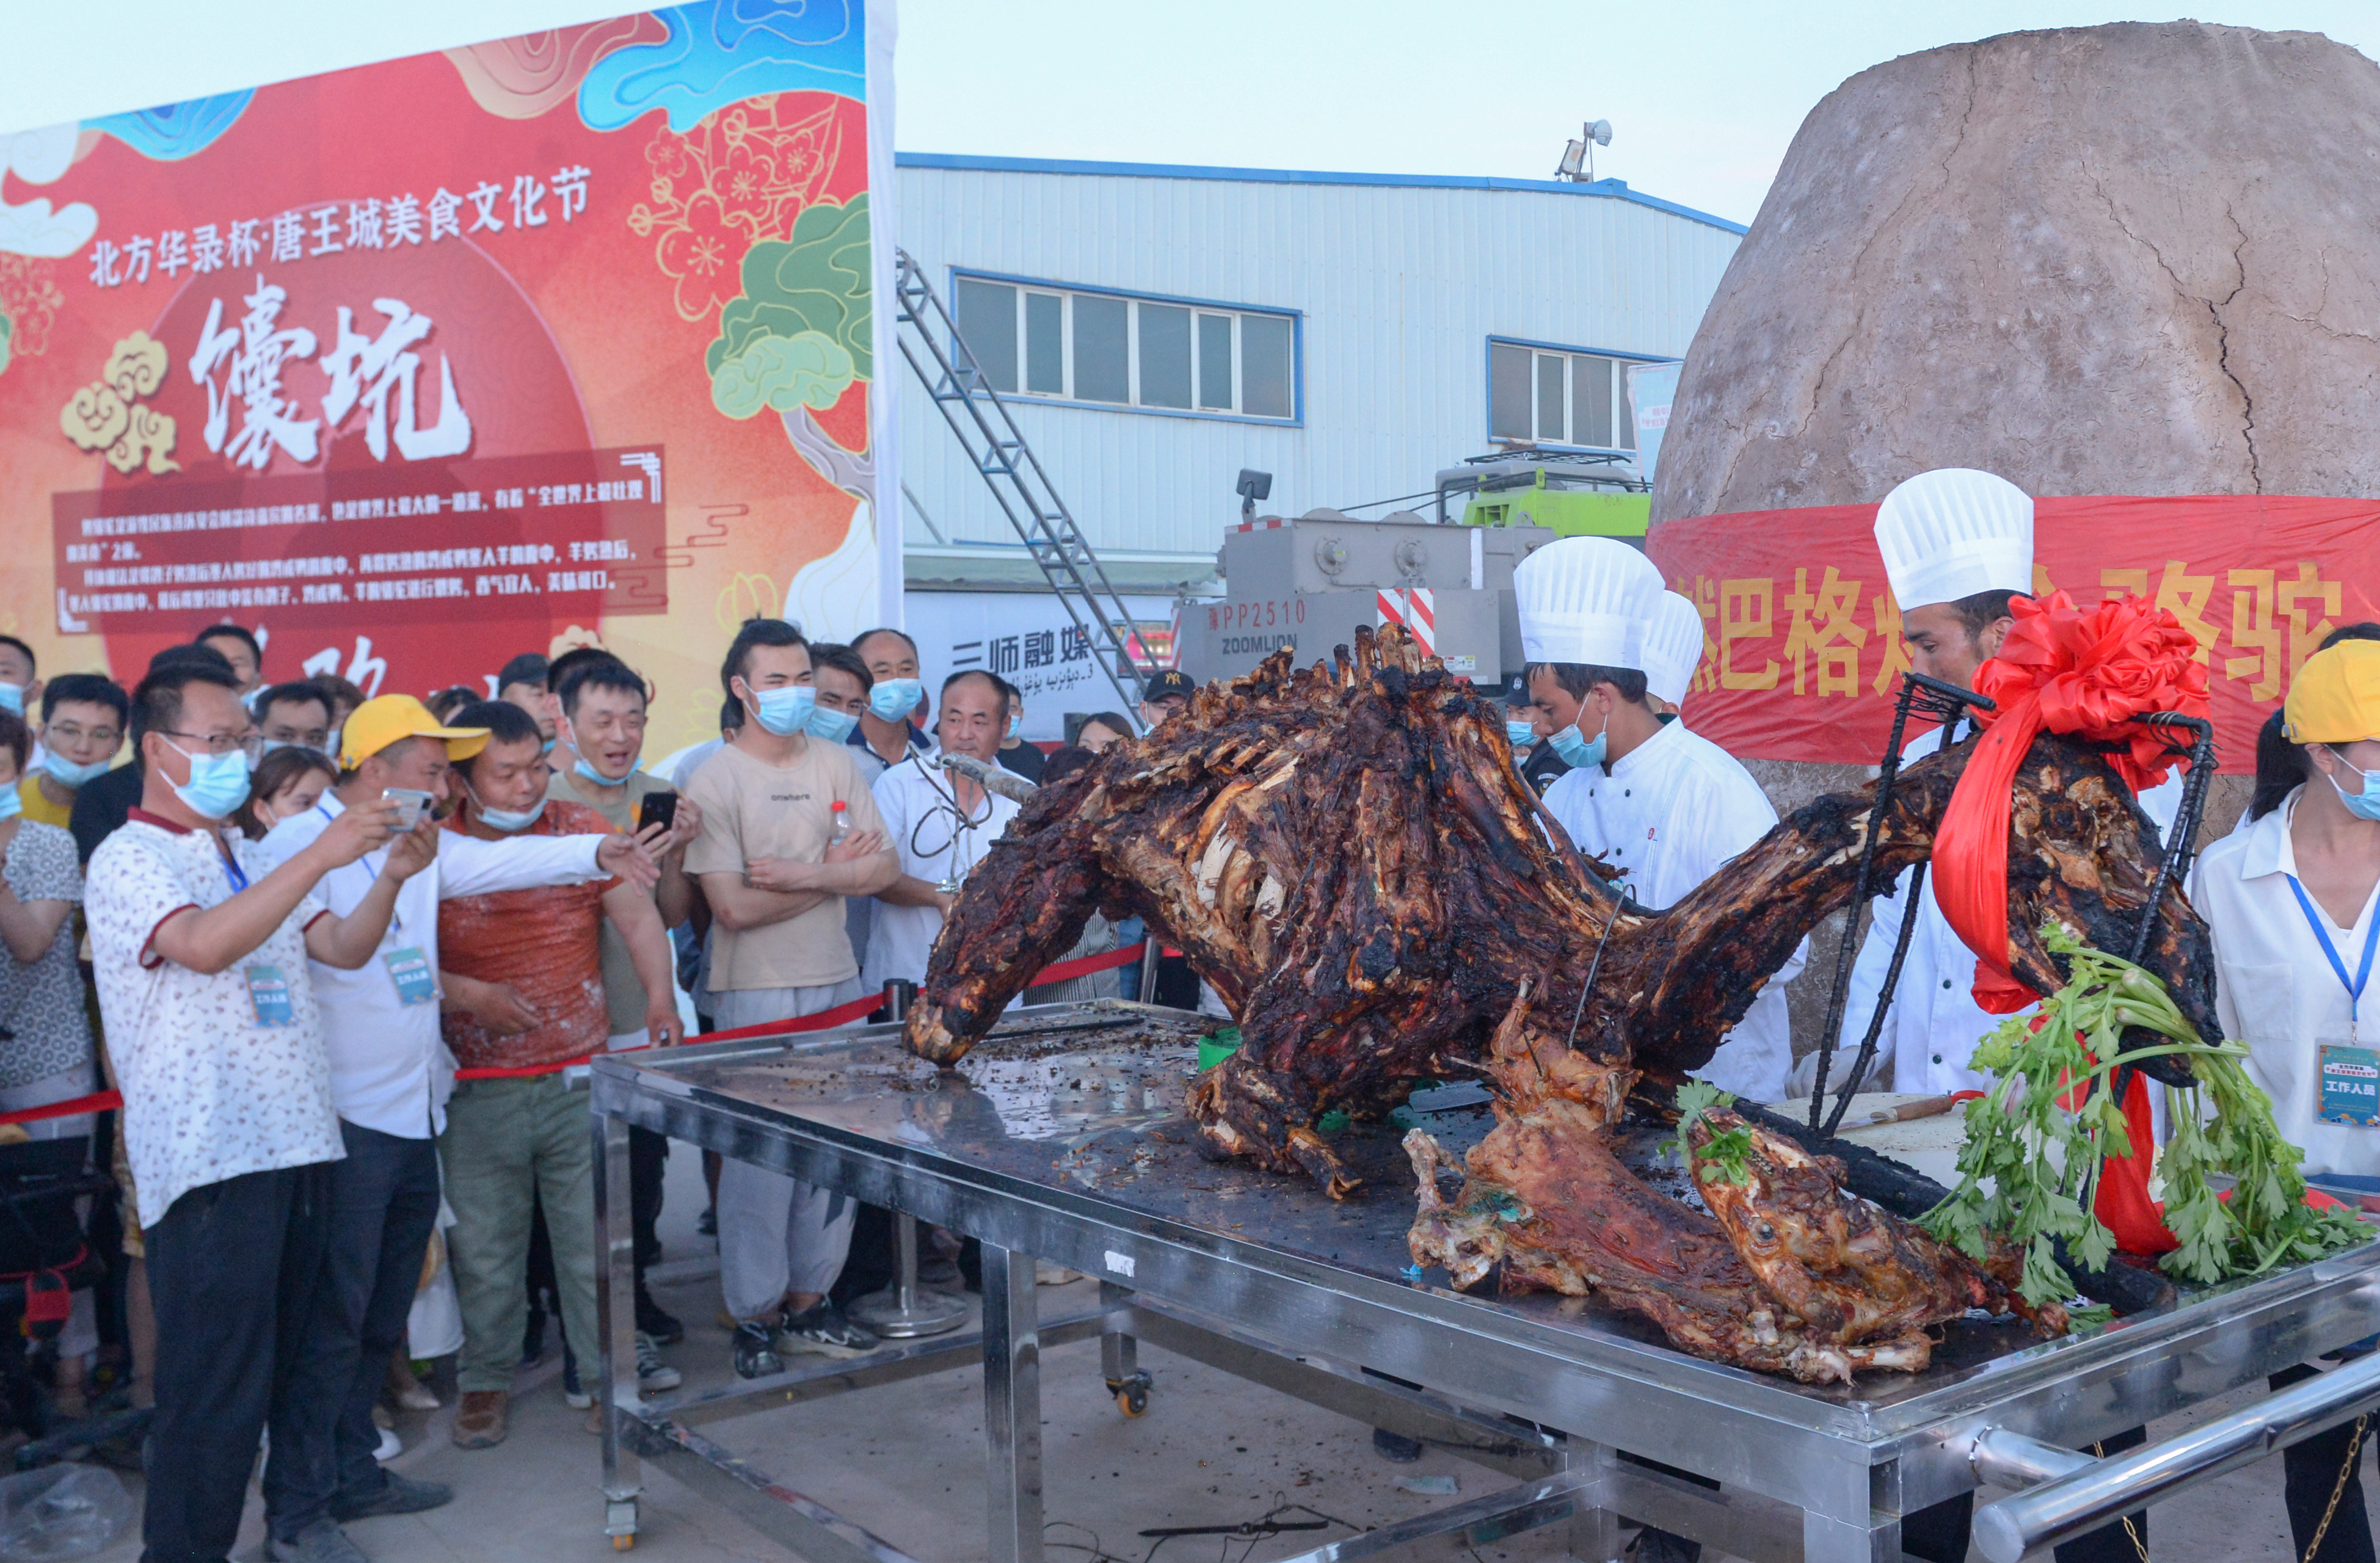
{"x": 2281, "y": 768}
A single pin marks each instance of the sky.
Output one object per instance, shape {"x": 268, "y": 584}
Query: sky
{"x": 1702, "y": 95}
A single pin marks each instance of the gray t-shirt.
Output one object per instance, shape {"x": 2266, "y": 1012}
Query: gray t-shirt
{"x": 42, "y": 1002}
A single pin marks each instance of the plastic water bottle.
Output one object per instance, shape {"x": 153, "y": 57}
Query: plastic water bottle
{"x": 841, "y": 824}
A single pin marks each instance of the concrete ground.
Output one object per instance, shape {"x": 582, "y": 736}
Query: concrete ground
{"x": 906, "y": 1461}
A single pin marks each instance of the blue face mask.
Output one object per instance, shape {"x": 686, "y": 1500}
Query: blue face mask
{"x": 1521, "y": 733}
{"x": 893, "y": 699}
{"x": 65, "y": 773}
{"x": 785, "y": 710}
{"x": 218, "y": 783}
{"x": 12, "y": 698}
{"x": 12, "y": 802}
{"x": 545, "y": 748}
{"x": 1576, "y": 752}
{"x": 510, "y": 822}
{"x": 2364, "y": 805}
{"x": 830, "y": 724}
{"x": 590, "y": 773}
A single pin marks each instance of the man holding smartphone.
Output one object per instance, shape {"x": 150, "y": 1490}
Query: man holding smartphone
{"x": 202, "y": 945}
{"x": 390, "y": 1081}
{"x": 599, "y": 737}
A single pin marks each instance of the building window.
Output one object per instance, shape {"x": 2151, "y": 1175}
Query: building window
{"x": 1123, "y": 351}
{"x": 1554, "y": 397}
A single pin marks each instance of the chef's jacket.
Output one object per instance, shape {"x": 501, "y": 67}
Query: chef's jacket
{"x": 1935, "y": 1022}
{"x": 1668, "y": 814}
{"x": 2275, "y": 990}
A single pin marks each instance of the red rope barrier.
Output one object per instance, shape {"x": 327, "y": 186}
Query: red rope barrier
{"x": 101, "y": 1101}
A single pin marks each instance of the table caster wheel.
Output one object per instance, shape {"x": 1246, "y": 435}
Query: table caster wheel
{"x": 619, "y": 1523}
{"x": 1132, "y": 1395}
{"x": 623, "y": 1544}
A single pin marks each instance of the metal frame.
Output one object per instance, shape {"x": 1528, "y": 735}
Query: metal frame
{"x": 1810, "y": 1473}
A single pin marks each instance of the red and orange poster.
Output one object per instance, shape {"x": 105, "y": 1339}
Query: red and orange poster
{"x": 561, "y": 339}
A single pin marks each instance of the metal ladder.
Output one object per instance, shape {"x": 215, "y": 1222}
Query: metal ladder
{"x": 1013, "y": 474}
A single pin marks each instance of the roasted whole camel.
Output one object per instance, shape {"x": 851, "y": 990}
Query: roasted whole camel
{"x": 1346, "y": 854}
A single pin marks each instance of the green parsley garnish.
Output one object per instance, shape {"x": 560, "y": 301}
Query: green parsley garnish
{"x": 2043, "y": 1158}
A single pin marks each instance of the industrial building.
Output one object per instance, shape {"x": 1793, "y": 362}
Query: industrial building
{"x": 1162, "y": 327}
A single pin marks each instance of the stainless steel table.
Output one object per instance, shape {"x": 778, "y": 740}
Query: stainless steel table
{"x": 1061, "y": 1136}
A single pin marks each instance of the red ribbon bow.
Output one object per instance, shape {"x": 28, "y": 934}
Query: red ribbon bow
{"x": 2061, "y": 669}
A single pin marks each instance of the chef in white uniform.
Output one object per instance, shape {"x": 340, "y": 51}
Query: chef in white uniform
{"x": 1673, "y": 647}
{"x": 1957, "y": 545}
{"x": 1665, "y": 808}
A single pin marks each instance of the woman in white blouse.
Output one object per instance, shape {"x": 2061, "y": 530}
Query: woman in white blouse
{"x": 2289, "y": 896}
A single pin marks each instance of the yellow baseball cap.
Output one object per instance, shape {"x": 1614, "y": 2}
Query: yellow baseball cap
{"x": 377, "y": 724}
{"x": 2335, "y": 696}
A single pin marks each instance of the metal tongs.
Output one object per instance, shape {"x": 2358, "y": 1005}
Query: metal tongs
{"x": 1946, "y": 703}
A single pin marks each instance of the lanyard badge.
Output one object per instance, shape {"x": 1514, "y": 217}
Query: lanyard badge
{"x": 2353, "y": 984}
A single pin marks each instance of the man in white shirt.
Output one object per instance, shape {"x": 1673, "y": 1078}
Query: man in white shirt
{"x": 940, "y": 824}
{"x": 390, "y": 1076}
{"x": 200, "y": 946}
{"x": 1957, "y": 547}
{"x": 1663, "y": 805}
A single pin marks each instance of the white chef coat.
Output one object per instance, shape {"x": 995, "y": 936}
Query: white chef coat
{"x": 916, "y": 803}
{"x": 2275, "y": 990}
{"x": 1668, "y": 814}
{"x": 1935, "y": 1022}
{"x": 390, "y": 1069}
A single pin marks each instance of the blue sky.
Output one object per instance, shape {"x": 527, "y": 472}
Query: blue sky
{"x": 1702, "y": 95}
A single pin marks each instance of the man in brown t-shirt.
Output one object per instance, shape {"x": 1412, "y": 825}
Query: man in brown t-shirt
{"x": 775, "y": 877}
{"x": 523, "y": 975}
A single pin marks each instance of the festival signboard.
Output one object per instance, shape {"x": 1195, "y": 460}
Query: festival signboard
{"x": 562, "y": 338}
{"x": 1801, "y": 646}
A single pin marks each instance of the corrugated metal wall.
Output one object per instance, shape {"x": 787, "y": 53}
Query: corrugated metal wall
{"x": 1400, "y": 285}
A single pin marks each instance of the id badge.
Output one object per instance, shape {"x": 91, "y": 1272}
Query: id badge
{"x": 409, "y": 969}
{"x": 2350, "y": 1085}
{"x": 268, "y": 995}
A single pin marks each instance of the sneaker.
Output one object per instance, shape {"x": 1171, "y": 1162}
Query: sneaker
{"x": 654, "y": 1320}
{"x": 321, "y": 1542}
{"x": 821, "y": 1327}
{"x": 391, "y": 1445}
{"x": 399, "y": 1494}
{"x": 756, "y": 1354}
{"x": 708, "y": 1222}
{"x": 479, "y": 1421}
{"x": 574, "y": 1394}
{"x": 652, "y": 1373}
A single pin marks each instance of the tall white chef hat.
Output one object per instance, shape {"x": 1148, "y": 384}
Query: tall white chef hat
{"x": 1673, "y": 648}
{"x": 1587, "y": 599}
{"x": 1953, "y": 532}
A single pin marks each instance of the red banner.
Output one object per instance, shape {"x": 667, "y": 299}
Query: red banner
{"x": 519, "y": 345}
{"x": 1803, "y": 645}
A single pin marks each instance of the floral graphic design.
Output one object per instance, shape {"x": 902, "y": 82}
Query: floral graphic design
{"x": 30, "y": 301}
{"x": 741, "y": 175}
{"x": 108, "y": 414}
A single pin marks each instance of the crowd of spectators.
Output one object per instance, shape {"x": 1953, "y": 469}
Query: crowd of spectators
{"x": 332, "y": 952}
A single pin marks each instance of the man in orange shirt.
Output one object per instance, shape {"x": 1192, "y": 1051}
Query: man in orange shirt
{"x": 523, "y": 975}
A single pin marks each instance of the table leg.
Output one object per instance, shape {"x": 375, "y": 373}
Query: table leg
{"x": 1011, "y": 1406}
{"x": 1593, "y": 1536}
{"x": 616, "y": 1317}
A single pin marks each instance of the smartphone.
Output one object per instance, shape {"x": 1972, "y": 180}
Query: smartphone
{"x": 410, "y": 803}
{"x": 658, "y": 809}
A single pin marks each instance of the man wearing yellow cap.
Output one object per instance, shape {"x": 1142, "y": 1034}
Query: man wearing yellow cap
{"x": 390, "y": 1076}
{"x": 2290, "y": 898}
